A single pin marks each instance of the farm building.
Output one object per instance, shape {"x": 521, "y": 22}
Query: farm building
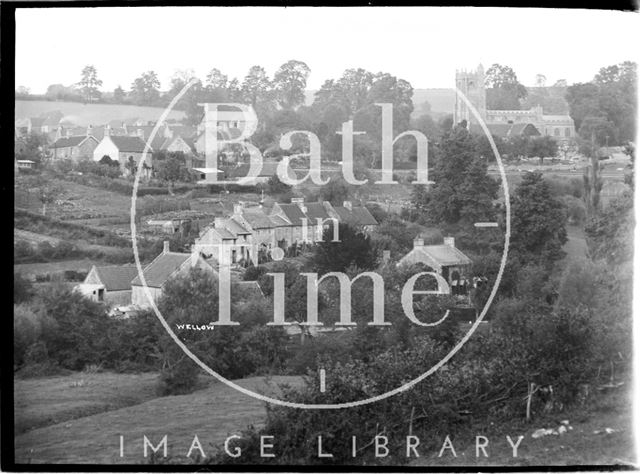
{"x": 109, "y": 284}
{"x": 165, "y": 266}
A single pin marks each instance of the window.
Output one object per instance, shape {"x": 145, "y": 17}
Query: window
{"x": 567, "y": 132}
{"x": 556, "y": 132}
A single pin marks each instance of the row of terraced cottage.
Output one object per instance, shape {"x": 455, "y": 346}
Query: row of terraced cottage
{"x": 246, "y": 236}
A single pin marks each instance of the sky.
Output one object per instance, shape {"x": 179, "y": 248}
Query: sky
{"x": 422, "y": 45}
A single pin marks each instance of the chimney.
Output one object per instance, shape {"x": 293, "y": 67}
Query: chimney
{"x": 348, "y": 205}
{"x": 237, "y": 208}
{"x": 140, "y": 133}
{"x": 107, "y": 130}
{"x": 165, "y": 248}
{"x": 450, "y": 241}
{"x": 386, "y": 256}
{"x": 218, "y": 222}
{"x": 418, "y": 242}
{"x": 90, "y": 130}
{"x": 68, "y": 133}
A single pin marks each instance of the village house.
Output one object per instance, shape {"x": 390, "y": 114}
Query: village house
{"x": 250, "y": 233}
{"x": 109, "y": 284}
{"x": 444, "y": 259}
{"x": 162, "y": 269}
{"x": 357, "y": 217}
{"x": 75, "y": 148}
{"x": 125, "y": 150}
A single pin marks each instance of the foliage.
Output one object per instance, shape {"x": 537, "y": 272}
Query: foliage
{"x": 537, "y": 221}
{"x": 610, "y": 234}
{"x": 290, "y": 82}
{"x": 89, "y": 84}
{"x": 145, "y": 89}
{"x": 22, "y": 289}
{"x": 354, "y": 248}
{"x": 606, "y": 106}
{"x": 463, "y": 192}
{"x": 504, "y": 91}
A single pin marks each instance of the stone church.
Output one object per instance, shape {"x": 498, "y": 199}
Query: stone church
{"x": 472, "y": 85}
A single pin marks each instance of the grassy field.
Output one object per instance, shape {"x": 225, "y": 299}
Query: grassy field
{"x": 211, "y": 413}
{"x": 91, "y": 114}
{"x": 33, "y": 269}
{"x": 50, "y": 400}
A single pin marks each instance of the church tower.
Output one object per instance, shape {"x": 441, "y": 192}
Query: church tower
{"x": 471, "y": 84}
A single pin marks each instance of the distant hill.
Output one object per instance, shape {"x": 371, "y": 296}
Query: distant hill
{"x": 91, "y": 114}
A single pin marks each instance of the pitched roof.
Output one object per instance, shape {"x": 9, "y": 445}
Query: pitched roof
{"x": 257, "y": 219}
{"x": 358, "y": 215}
{"x": 443, "y": 255}
{"x": 316, "y": 210}
{"x": 163, "y": 266}
{"x": 278, "y": 221}
{"x": 505, "y": 130}
{"x": 235, "y": 227}
{"x": 293, "y": 213}
{"x": 117, "y": 277}
{"x": 76, "y": 140}
{"x": 128, "y": 144}
{"x": 224, "y": 233}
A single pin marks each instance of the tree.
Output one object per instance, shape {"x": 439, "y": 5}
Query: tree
{"x": 119, "y": 95}
{"x": 23, "y": 91}
{"x": 33, "y": 149}
{"x": 89, "y": 84}
{"x": 217, "y": 80}
{"x": 290, "y": 83}
{"x": 463, "y": 191}
{"x": 336, "y": 191}
{"x": 256, "y": 86}
{"x": 610, "y": 97}
{"x": 145, "y": 89}
{"x": 172, "y": 169}
{"x": 353, "y": 249}
{"x": 542, "y": 147}
{"x": 504, "y": 90}
{"x": 537, "y": 221}
{"x": 106, "y": 160}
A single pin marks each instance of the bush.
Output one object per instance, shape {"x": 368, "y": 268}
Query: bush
{"x": 22, "y": 289}
{"x": 576, "y": 210}
{"x": 179, "y": 379}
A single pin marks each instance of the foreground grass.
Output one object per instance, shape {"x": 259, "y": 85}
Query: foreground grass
{"x": 211, "y": 413}
{"x": 47, "y": 401}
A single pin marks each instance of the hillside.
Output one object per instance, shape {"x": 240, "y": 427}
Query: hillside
{"x": 91, "y": 114}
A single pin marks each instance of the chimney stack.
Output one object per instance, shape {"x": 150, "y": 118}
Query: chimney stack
{"x": 107, "y": 130}
{"x": 90, "y": 130}
{"x": 450, "y": 241}
{"x": 237, "y": 208}
{"x": 347, "y": 204}
{"x": 418, "y": 242}
{"x": 140, "y": 133}
{"x": 218, "y": 222}
{"x": 165, "y": 248}
{"x": 68, "y": 133}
